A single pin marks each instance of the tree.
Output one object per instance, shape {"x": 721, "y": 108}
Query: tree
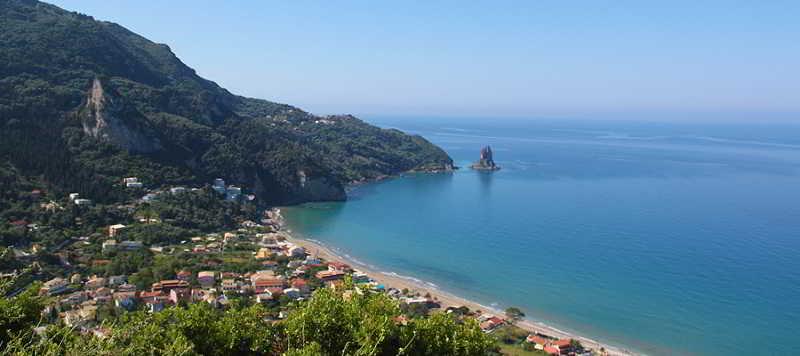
{"x": 514, "y": 313}
{"x": 18, "y": 314}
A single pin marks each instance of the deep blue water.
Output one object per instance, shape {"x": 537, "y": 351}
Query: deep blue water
{"x": 664, "y": 238}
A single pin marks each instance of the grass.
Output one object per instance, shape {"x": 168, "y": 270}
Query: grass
{"x": 517, "y": 350}
{"x": 511, "y": 339}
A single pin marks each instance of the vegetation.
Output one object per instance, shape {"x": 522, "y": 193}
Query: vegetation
{"x": 514, "y": 313}
{"x": 330, "y": 323}
{"x": 165, "y": 124}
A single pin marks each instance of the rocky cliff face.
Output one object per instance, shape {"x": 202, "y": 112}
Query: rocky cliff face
{"x": 486, "y": 161}
{"x": 104, "y": 118}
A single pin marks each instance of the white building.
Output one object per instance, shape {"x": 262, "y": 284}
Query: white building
{"x": 263, "y": 297}
{"x": 219, "y": 186}
{"x": 130, "y": 245}
{"x": 55, "y": 286}
{"x": 109, "y": 245}
{"x": 292, "y": 293}
{"x": 82, "y": 202}
{"x": 113, "y": 230}
{"x": 177, "y": 190}
{"x": 233, "y": 193}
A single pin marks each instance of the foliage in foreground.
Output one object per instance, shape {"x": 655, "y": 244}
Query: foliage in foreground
{"x": 330, "y": 323}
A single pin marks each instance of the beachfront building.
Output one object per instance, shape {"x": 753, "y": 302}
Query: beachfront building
{"x": 296, "y": 252}
{"x": 491, "y": 322}
{"x": 312, "y": 260}
{"x": 360, "y": 277}
{"x": 327, "y": 276}
{"x": 339, "y": 267}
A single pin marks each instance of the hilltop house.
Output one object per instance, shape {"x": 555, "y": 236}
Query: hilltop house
{"x": 113, "y": 230}
{"x": 125, "y": 300}
{"x": 165, "y": 286}
{"x": 109, "y": 245}
{"x": 54, "y": 286}
{"x": 95, "y": 282}
{"x": 263, "y": 297}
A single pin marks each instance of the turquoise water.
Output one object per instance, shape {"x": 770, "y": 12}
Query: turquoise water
{"x": 663, "y": 238}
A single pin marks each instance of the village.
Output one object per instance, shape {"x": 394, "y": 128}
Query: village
{"x": 278, "y": 274}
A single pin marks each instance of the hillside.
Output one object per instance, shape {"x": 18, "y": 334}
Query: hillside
{"x": 84, "y": 103}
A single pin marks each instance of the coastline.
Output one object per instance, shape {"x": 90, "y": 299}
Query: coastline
{"x": 394, "y": 280}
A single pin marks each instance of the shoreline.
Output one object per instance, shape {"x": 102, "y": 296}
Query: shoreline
{"x": 446, "y": 299}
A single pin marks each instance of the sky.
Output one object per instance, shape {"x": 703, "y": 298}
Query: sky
{"x": 606, "y": 59}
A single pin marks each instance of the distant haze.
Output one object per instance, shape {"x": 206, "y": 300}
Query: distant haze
{"x": 609, "y": 59}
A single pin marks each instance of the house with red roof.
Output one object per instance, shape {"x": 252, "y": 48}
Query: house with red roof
{"x": 538, "y": 342}
{"x": 551, "y": 350}
{"x": 491, "y": 323}
{"x": 301, "y": 285}
{"x": 329, "y": 275}
{"x": 339, "y": 266}
{"x": 262, "y": 284}
{"x": 184, "y": 275}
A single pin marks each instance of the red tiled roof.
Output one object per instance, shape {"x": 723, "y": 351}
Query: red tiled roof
{"x": 338, "y": 265}
{"x": 551, "y": 350}
{"x": 266, "y": 282}
{"x": 536, "y": 339}
{"x": 150, "y": 294}
{"x": 275, "y": 290}
{"x": 562, "y": 343}
{"x": 19, "y": 223}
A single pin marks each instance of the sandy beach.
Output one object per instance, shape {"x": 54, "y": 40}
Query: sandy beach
{"x": 390, "y": 280}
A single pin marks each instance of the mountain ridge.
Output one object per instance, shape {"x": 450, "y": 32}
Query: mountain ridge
{"x": 85, "y": 101}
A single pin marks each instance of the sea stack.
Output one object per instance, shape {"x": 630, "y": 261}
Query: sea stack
{"x": 486, "y": 163}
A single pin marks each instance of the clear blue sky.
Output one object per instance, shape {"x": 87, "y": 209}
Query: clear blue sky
{"x": 493, "y": 58}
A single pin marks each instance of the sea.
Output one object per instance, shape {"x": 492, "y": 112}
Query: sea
{"x": 662, "y": 238}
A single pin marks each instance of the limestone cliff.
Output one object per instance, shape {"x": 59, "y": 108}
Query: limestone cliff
{"x": 105, "y": 117}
